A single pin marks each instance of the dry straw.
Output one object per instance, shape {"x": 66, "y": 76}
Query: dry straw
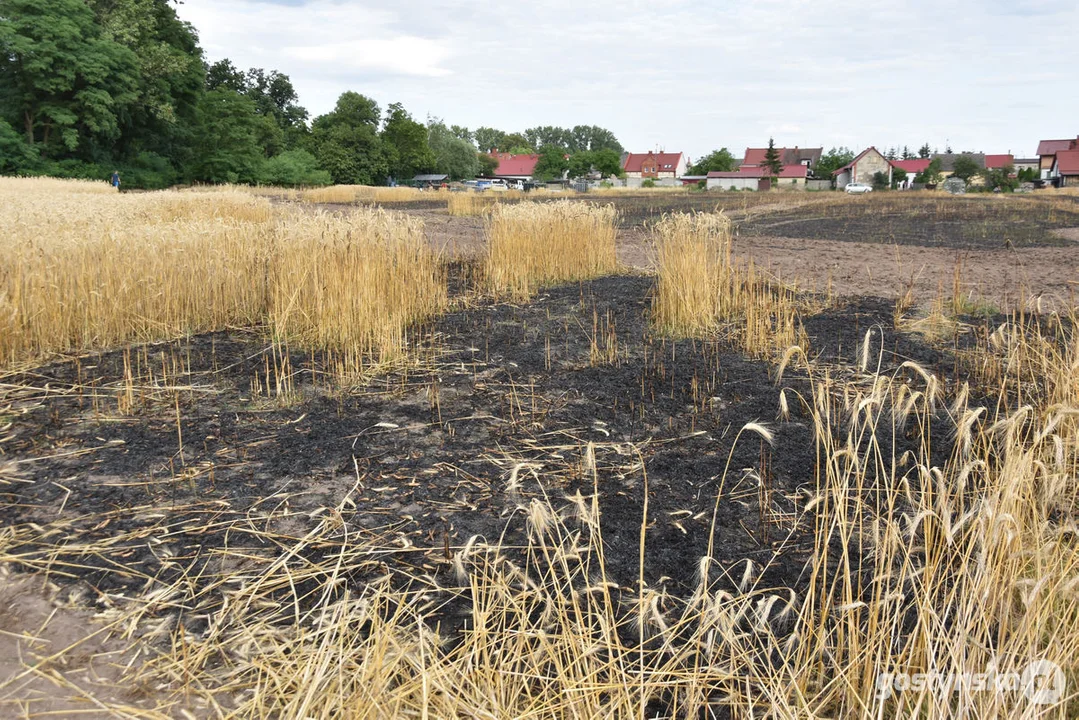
{"x": 698, "y": 287}
{"x": 537, "y": 244}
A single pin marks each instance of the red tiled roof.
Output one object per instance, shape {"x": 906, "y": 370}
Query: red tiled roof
{"x": 788, "y": 156}
{"x": 993, "y": 162}
{"x": 663, "y": 160}
{"x": 789, "y": 171}
{"x": 1052, "y": 147}
{"x": 515, "y": 164}
{"x": 1067, "y": 162}
{"x": 913, "y": 167}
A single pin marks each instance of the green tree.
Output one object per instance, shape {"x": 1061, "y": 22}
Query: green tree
{"x": 772, "y": 161}
{"x": 899, "y": 175}
{"x": 607, "y": 162}
{"x": 880, "y": 180}
{"x": 293, "y": 168}
{"x": 453, "y": 156}
{"x": 716, "y": 161}
{"x": 462, "y": 133}
{"x": 540, "y": 137}
{"x": 965, "y": 167}
{"x": 1001, "y": 178}
{"x": 346, "y": 142}
{"x": 405, "y": 143}
{"x": 931, "y": 175}
{"x": 223, "y": 74}
{"x": 227, "y": 147}
{"x": 592, "y": 138}
{"x": 551, "y": 165}
{"x": 580, "y": 164}
{"x": 487, "y": 164}
{"x": 16, "y": 157}
{"x": 924, "y": 152}
{"x": 831, "y": 161}
{"x": 60, "y": 79}
{"x": 488, "y": 139}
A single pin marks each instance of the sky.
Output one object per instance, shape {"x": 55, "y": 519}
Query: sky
{"x": 683, "y": 75}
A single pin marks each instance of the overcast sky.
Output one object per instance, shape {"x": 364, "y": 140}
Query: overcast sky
{"x": 689, "y": 75}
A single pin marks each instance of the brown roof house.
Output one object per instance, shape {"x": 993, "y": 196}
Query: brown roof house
{"x": 1066, "y": 167}
{"x": 656, "y": 165}
{"x": 1047, "y": 151}
{"x": 787, "y": 156}
{"x": 863, "y": 168}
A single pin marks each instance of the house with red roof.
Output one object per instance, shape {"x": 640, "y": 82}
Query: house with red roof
{"x": 911, "y": 168}
{"x": 514, "y": 167}
{"x": 863, "y": 169}
{"x": 1066, "y": 166}
{"x": 758, "y": 178}
{"x": 654, "y": 165}
{"x": 1047, "y": 150}
{"x": 808, "y": 157}
{"x": 999, "y": 162}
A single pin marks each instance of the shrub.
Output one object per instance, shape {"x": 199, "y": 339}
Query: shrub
{"x": 648, "y": 183}
{"x": 293, "y": 168}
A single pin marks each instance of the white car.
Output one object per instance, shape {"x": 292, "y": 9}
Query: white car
{"x": 858, "y": 188}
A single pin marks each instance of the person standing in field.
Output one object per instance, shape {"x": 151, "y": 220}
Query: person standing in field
{"x": 115, "y": 179}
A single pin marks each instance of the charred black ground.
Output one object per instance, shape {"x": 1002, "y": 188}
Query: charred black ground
{"x": 503, "y": 411}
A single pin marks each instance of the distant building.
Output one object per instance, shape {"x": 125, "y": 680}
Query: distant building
{"x": 999, "y": 162}
{"x": 1047, "y": 150}
{"x": 1066, "y": 167}
{"x": 808, "y": 157}
{"x": 863, "y": 168}
{"x": 654, "y": 166}
{"x": 515, "y": 167}
{"x": 912, "y": 168}
{"x": 758, "y": 178}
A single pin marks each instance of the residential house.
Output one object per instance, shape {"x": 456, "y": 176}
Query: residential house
{"x": 911, "y": 168}
{"x": 1066, "y": 167}
{"x": 759, "y": 178}
{"x": 1047, "y": 150}
{"x": 514, "y": 167}
{"x": 808, "y": 157}
{"x": 654, "y": 165}
{"x": 864, "y": 168}
{"x": 999, "y": 162}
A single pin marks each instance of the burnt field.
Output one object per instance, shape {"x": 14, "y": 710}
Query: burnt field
{"x": 924, "y": 219}
{"x": 504, "y": 409}
{"x": 281, "y": 462}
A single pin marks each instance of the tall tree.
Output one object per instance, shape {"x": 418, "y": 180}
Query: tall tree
{"x": 16, "y": 156}
{"x": 593, "y": 138}
{"x": 462, "y": 133}
{"x": 227, "y": 147}
{"x": 488, "y": 139}
{"x": 551, "y": 164}
{"x": 772, "y": 161}
{"x": 347, "y": 144}
{"x": 453, "y": 156}
{"x": 832, "y": 161}
{"x": 405, "y": 143}
{"x": 924, "y": 152}
{"x": 60, "y": 79}
{"x": 716, "y": 161}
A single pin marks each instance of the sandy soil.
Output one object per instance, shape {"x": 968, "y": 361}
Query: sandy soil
{"x": 998, "y": 276}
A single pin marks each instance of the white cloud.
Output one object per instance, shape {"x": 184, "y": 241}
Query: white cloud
{"x": 682, "y": 74}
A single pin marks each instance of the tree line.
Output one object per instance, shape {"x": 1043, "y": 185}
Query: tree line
{"x": 92, "y": 86}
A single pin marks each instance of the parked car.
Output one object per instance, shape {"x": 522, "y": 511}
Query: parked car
{"x": 858, "y": 188}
